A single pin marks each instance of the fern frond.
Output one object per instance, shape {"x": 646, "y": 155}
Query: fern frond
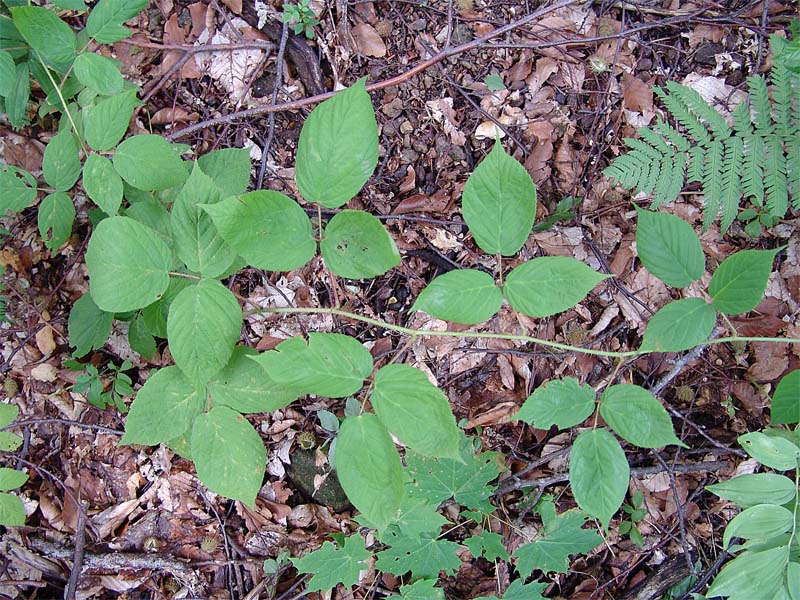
{"x": 741, "y": 119}
{"x": 646, "y": 149}
{"x": 753, "y": 169}
{"x": 775, "y": 184}
{"x": 665, "y": 182}
{"x": 694, "y": 174}
{"x": 793, "y": 168}
{"x": 731, "y": 181}
{"x": 782, "y": 99}
{"x": 707, "y": 113}
{"x": 673, "y": 135}
{"x": 627, "y": 169}
{"x": 712, "y": 182}
{"x": 759, "y": 102}
{"x": 685, "y": 117}
{"x": 657, "y": 141}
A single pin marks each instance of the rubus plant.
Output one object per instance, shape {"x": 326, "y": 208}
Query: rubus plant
{"x": 90, "y": 383}
{"x": 758, "y": 158}
{"x": 764, "y": 533}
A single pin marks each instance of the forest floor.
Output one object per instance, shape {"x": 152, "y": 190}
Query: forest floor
{"x": 565, "y": 90}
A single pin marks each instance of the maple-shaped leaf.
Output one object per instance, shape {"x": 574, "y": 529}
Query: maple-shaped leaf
{"x": 561, "y": 536}
{"x": 332, "y": 566}
{"x": 416, "y": 517}
{"x": 439, "y": 479}
{"x": 423, "y": 557}
{"x": 488, "y": 544}
{"x": 519, "y": 591}
{"x": 420, "y": 590}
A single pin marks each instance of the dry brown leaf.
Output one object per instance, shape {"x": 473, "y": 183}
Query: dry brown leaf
{"x": 173, "y": 114}
{"x": 437, "y": 202}
{"x": 235, "y": 6}
{"x": 198, "y": 12}
{"x": 368, "y": 42}
{"x": 44, "y": 339}
{"x": 637, "y": 95}
{"x": 409, "y": 181}
{"x": 770, "y": 361}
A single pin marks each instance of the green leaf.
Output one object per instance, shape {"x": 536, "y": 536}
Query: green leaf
{"x": 99, "y": 73}
{"x": 786, "y": 400}
{"x": 329, "y": 364}
{"x": 9, "y": 442}
{"x": 338, "y": 148}
{"x": 545, "y": 286}
{"x": 229, "y": 168}
{"x": 679, "y": 325}
{"x": 8, "y": 412}
{"x": 61, "y": 166}
{"x": 245, "y": 387}
{"x": 331, "y": 566}
{"x": 155, "y": 315}
{"x": 422, "y": 589}
{"x": 522, "y": 591}
{"x": 102, "y": 183}
{"x": 88, "y": 326}
{"x": 415, "y": 411}
{"x": 560, "y": 402}
{"x": 369, "y": 469}
{"x": 17, "y": 190}
{"x": 149, "y": 162}
{"x": 268, "y": 229}
{"x": 11, "y": 479}
{"x": 494, "y": 82}
{"x": 76, "y": 5}
{"x": 752, "y": 575}
{"x": 229, "y": 455}
{"x": 561, "y": 536}
{"x": 499, "y": 203}
{"x": 140, "y": 338}
{"x": 197, "y": 242}
{"x": 755, "y": 488}
{"x": 204, "y": 323}
{"x": 488, "y": 544}
{"x": 418, "y": 517}
{"x": 8, "y": 73}
{"x": 738, "y": 284}
{"x": 761, "y": 521}
{"x": 357, "y": 246}
{"x": 465, "y": 296}
{"x": 598, "y": 473}
{"x": 12, "y": 511}
{"x": 105, "y": 21}
{"x": 793, "y": 580}
{"x": 466, "y": 480}
{"x": 423, "y": 557}
{"x": 669, "y": 248}
{"x": 56, "y": 214}
{"x": 164, "y": 408}
{"x": 47, "y": 34}
{"x": 128, "y": 265}
{"x": 16, "y": 102}
{"x": 106, "y": 122}
{"x": 774, "y": 452}
{"x": 636, "y": 416}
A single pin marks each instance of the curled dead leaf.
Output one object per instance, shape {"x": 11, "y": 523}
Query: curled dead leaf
{"x": 368, "y": 42}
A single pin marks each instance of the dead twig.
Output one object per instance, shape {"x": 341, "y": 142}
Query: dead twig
{"x": 77, "y": 557}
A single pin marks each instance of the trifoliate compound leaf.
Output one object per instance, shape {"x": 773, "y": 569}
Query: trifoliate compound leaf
{"x": 598, "y": 474}
{"x": 786, "y": 400}
{"x": 197, "y": 242}
{"x": 61, "y": 166}
{"x": 17, "y": 190}
{"x": 637, "y": 416}
{"x": 755, "y": 488}
{"x": 560, "y": 402}
{"x": 332, "y": 566}
{"x": 105, "y": 21}
{"x": 245, "y": 387}
{"x": 12, "y": 511}
{"x": 499, "y": 203}
{"x": 561, "y": 536}
{"x": 415, "y": 411}
{"x": 369, "y": 469}
{"x": 771, "y": 451}
{"x": 738, "y": 284}
{"x": 679, "y": 325}
{"x": 669, "y": 248}
{"x": 752, "y": 575}
{"x": 229, "y": 168}
{"x": 465, "y": 296}
{"x": 422, "y": 557}
{"x": 488, "y": 545}
{"x": 11, "y": 479}
{"x": 51, "y": 37}
{"x": 102, "y": 183}
{"x": 338, "y": 148}
{"x": 357, "y": 246}
{"x": 140, "y": 338}
{"x": 88, "y": 326}
{"x": 328, "y": 364}
{"x": 8, "y": 412}
{"x": 99, "y": 73}
{"x": 422, "y": 589}
{"x": 229, "y": 454}
{"x": 545, "y": 286}
{"x": 204, "y": 323}
{"x": 128, "y": 265}
{"x": 106, "y": 122}
{"x": 55, "y": 218}
{"x": 149, "y": 162}
{"x": 266, "y": 228}
{"x": 164, "y": 408}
